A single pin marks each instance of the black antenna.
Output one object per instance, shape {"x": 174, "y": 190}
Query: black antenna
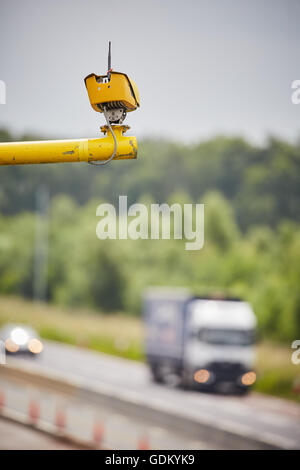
{"x": 109, "y": 58}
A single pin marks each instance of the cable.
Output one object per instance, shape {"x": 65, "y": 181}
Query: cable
{"x": 115, "y": 140}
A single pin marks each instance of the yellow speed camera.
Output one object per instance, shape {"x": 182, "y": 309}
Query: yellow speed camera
{"x": 113, "y": 94}
{"x": 118, "y": 91}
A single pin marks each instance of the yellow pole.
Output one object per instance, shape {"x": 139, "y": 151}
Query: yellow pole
{"x": 61, "y": 151}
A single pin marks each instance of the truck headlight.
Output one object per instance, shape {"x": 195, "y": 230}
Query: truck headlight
{"x": 249, "y": 378}
{"x": 201, "y": 376}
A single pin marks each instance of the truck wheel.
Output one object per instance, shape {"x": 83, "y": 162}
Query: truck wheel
{"x": 186, "y": 383}
{"x": 156, "y": 375}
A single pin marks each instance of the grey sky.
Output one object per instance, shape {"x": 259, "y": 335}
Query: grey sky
{"x": 202, "y": 67}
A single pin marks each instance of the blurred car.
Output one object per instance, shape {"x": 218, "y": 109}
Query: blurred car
{"x": 20, "y": 339}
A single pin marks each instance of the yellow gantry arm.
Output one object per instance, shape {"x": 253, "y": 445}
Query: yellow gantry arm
{"x": 62, "y": 151}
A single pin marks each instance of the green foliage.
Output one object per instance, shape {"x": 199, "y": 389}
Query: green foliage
{"x": 220, "y": 226}
{"x": 17, "y": 251}
{"x": 277, "y": 382}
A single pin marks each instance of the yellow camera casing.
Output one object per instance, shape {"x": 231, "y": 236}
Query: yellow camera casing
{"x": 114, "y": 89}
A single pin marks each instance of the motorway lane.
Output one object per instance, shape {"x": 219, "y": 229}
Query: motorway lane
{"x": 276, "y": 421}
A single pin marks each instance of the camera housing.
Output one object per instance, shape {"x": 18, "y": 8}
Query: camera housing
{"x": 112, "y": 91}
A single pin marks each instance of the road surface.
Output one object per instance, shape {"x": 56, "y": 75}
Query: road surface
{"x": 15, "y": 436}
{"x": 276, "y": 421}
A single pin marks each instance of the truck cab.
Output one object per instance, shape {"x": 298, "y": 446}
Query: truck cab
{"x": 220, "y": 336}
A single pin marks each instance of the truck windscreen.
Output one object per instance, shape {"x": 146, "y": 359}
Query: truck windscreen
{"x": 226, "y": 336}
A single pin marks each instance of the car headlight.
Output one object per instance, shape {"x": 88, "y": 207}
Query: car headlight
{"x": 35, "y": 346}
{"x": 10, "y": 346}
{"x": 19, "y": 336}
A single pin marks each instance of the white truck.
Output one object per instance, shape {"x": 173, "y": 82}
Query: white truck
{"x": 199, "y": 342}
